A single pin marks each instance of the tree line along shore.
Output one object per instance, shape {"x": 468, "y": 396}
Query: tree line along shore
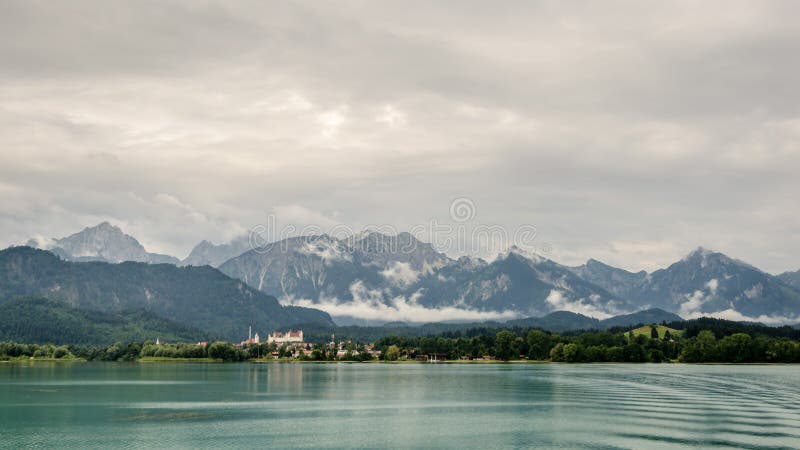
{"x": 703, "y": 341}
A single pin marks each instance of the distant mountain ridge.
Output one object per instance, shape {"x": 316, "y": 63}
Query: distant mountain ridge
{"x": 384, "y": 269}
{"x": 318, "y": 267}
{"x": 561, "y": 321}
{"x": 327, "y": 273}
{"x": 706, "y": 282}
{"x": 617, "y": 281}
{"x": 100, "y": 302}
{"x": 207, "y": 253}
{"x": 102, "y": 242}
{"x": 373, "y": 270}
{"x": 703, "y": 282}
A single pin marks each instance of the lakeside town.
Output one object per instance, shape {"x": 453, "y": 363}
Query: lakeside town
{"x": 697, "y": 341}
{"x": 291, "y": 344}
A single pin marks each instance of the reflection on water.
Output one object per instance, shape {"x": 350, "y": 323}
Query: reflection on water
{"x": 351, "y": 405}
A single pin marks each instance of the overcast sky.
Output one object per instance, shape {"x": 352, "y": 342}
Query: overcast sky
{"x": 628, "y": 132}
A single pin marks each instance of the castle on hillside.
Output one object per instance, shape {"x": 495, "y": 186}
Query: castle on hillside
{"x": 290, "y": 337}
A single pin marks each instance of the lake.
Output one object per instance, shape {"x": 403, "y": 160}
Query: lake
{"x": 116, "y": 405}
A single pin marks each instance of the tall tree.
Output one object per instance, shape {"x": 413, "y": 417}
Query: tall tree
{"x": 504, "y": 345}
{"x": 392, "y": 353}
{"x": 539, "y": 344}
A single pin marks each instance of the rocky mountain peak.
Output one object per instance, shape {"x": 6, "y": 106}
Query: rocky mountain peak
{"x": 518, "y": 252}
{"x": 102, "y": 242}
{"x": 210, "y": 254}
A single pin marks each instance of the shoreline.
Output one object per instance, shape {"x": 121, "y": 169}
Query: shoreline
{"x": 153, "y": 360}
{"x": 47, "y": 360}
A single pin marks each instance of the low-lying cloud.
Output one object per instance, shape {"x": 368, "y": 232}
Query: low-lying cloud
{"x": 375, "y": 305}
{"x": 734, "y": 315}
{"x": 693, "y": 303}
{"x": 692, "y": 308}
{"x": 585, "y": 306}
{"x": 401, "y": 274}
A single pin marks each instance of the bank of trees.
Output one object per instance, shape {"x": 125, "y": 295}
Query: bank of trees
{"x": 538, "y": 345}
{"x": 739, "y": 348}
{"x": 224, "y": 351}
{"x": 701, "y": 346}
{"x": 723, "y": 342}
{"x": 13, "y": 350}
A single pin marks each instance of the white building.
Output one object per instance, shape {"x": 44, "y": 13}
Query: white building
{"x": 290, "y": 337}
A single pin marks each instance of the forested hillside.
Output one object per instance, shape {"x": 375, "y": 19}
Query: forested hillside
{"x": 196, "y": 297}
{"x": 38, "y": 320}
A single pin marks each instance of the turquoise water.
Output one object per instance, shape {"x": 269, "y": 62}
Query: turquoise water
{"x": 109, "y": 405}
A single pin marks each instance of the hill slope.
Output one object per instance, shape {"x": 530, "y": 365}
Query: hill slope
{"x": 558, "y": 321}
{"x": 38, "y": 320}
{"x": 647, "y": 316}
{"x": 199, "y": 297}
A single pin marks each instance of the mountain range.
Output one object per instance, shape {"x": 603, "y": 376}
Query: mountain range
{"x": 379, "y": 278}
{"x": 340, "y": 276}
{"x": 702, "y": 283}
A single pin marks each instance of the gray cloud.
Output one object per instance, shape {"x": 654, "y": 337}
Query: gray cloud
{"x": 625, "y": 131}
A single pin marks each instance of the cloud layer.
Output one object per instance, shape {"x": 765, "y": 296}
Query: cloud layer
{"x": 623, "y": 131}
{"x": 375, "y": 305}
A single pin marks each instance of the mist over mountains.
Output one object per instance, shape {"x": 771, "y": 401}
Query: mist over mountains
{"x": 377, "y": 278}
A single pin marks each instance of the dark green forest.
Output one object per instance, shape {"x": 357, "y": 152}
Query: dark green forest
{"x": 38, "y": 320}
